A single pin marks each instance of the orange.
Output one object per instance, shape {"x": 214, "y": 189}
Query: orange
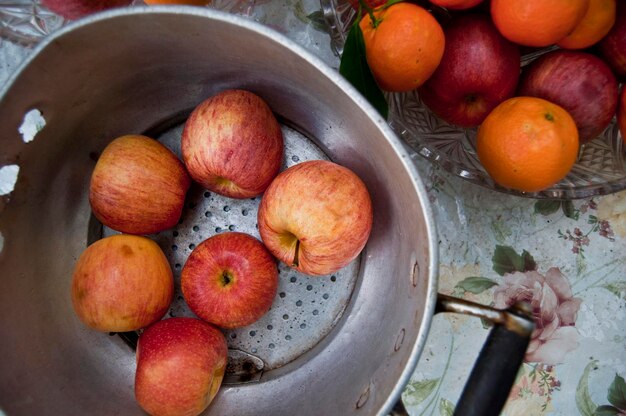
{"x": 537, "y": 22}
{"x": 190, "y": 2}
{"x": 527, "y": 144}
{"x": 404, "y": 47}
{"x": 596, "y": 23}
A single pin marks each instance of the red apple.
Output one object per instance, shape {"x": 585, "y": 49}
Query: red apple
{"x": 456, "y": 4}
{"x": 621, "y": 114}
{"x": 230, "y": 280}
{"x": 479, "y": 70}
{"x": 316, "y": 217}
{"x": 73, "y": 9}
{"x": 370, "y": 3}
{"x": 138, "y": 186}
{"x": 232, "y": 144}
{"x": 577, "y": 81}
{"x": 180, "y": 367}
{"x": 122, "y": 283}
{"x": 613, "y": 46}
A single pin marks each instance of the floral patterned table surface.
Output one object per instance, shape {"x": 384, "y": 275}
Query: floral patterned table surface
{"x": 568, "y": 259}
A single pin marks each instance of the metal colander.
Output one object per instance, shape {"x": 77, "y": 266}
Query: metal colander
{"x": 305, "y": 308}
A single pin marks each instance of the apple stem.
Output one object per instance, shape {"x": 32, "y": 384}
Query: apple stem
{"x": 296, "y": 256}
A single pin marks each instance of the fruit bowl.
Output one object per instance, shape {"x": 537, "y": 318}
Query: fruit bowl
{"x": 599, "y": 170}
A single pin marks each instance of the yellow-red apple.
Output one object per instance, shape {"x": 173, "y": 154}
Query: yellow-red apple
{"x": 180, "y": 367}
{"x": 138, "y": 186}
{"x": 122, "y": 283}
{"x": 230, "y": 280}
{"x": 232, "y": 144}
{"x": 316, "y": 217}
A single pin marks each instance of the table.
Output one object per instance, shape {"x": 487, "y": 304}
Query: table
{"x": 568, "y": 258}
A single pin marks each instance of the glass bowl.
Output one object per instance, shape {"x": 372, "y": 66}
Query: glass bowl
{"x": 599, "y": 170}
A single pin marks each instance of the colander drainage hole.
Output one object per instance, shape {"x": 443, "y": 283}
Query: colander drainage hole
{"x": 299, "y": 303}
{"x": 282, "y": 294}
{"x": 192, "y": 246}
{"x": 316, "y": 312}
{"x": 295, "y": 158}
{"x": 175, "y": 233}
{"x": 333, "y": 278}
{"x": 325, "y": 295}
{"x": 285, "y": 317}
{"x": 226, "y": 208}
{"x": 196, "y": 228}
{"x": 174, "y": 247}
{"x": 271, "y": 346}
{"x": 244, "y": 212}
{"x": 288, "y": 337}
{"x": 231, "y": 227}
{"x": 270, "y": 327}
{"x": 302, "y": 326}
{"x": 207, "y": 194}
{"x": 208, "y": 214}
{"x": 293, "y": 279}
{"x": 252, "y": 333}
{"x": 309, "y": 287}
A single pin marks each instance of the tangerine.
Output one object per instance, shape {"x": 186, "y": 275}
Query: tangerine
{"x": 403, "y": 46}
{"x": 537, "y": 22}
{"x": 596, "y": 23}
{"x": 527, "y": 144}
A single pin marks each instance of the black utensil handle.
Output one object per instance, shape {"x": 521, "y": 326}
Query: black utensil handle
{"x": 494, "y": 373}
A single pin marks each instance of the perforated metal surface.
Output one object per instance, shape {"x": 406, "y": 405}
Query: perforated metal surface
{"x": 305, "y": 308}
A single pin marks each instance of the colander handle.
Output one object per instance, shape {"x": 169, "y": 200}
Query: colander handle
{"x": 494, "y": 373}
{"x": 498, "y": 363}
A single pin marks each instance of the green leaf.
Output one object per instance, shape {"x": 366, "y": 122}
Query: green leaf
{"x": 506, "y": 260}
{"x": 317, "y": 21}
{"x": 569, "y": 210}
{"x": 606, "y": 410}
{"x": 617, "y": 288}
{"x": 417, "y": 391}
{"x": 446, "y": 408}
{"x": 544, "y": 207}
{"x": 528, "y": 261}
{"x": 501, "y": 230}
{"x": 585, "y": 405}
{"x": 475, "y": 284}
{"x": 354, "y": 68}
{"x": 617, "y": 393}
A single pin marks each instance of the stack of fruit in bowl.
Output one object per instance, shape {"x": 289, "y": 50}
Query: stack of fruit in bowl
{"x": 530, "y": 83}
{"x": 315, "y": 216}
